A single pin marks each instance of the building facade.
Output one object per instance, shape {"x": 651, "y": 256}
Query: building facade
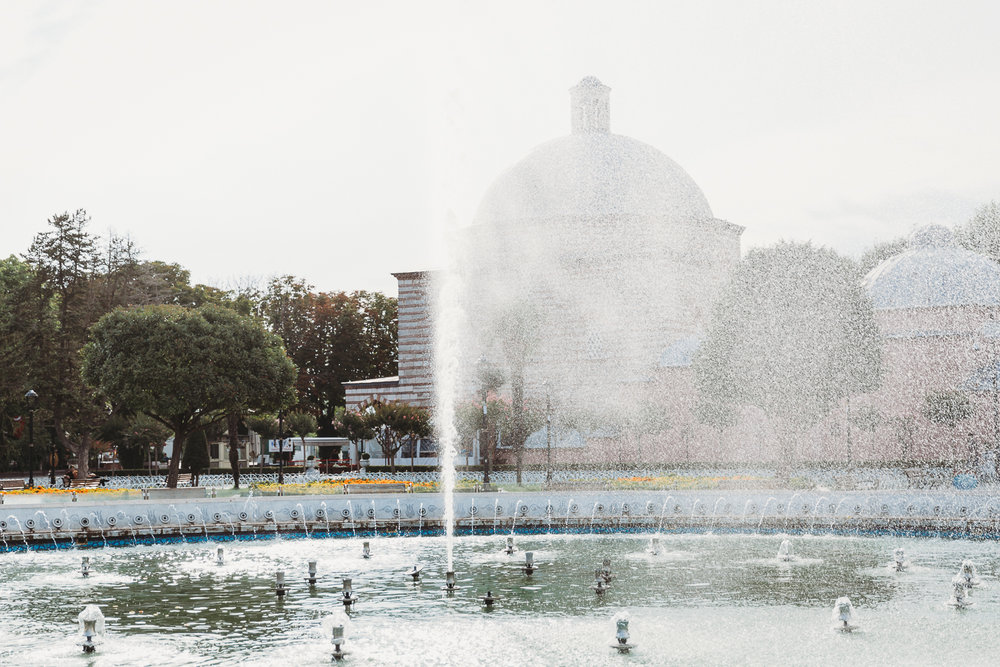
{"x": 588, "y": 276}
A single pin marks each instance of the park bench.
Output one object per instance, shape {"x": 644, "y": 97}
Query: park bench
{"x": 91, "y": 483}
{"x": 400, "y": 487}
{"x": 921, "y": 478}
{"x": 184, "y": 479}
{"x": 11, "y": 484}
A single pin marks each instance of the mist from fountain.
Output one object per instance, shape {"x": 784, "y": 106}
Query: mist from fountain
{"x": 447, "y": 327}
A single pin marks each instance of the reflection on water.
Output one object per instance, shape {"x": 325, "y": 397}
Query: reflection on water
{"x": 701, "y": 599}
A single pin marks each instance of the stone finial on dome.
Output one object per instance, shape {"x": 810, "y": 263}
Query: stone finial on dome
{"x": 590, "y": 106}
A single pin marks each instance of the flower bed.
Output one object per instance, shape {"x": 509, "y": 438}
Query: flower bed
{"x": 332, "y": 486}
{"x": 684, "y": 482}
{"x": 44, "y": 490}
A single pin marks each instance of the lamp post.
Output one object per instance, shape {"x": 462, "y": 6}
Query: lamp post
{"x": 281, "y": 448}
{"x": 52, "y": 456}
{"x": 548, "y": 434}
{"x": 31, "y": 398}
{"x": 990, "y": 333}
{"x": 484, "y": 448}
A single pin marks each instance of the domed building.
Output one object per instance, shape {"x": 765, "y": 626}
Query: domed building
{"x": 937, "y": 306}
{"x": 588, "y": 258}
{"x": 588, "y": 275}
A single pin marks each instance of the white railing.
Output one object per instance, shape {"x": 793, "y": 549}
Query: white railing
{"x": 887, "y": 478}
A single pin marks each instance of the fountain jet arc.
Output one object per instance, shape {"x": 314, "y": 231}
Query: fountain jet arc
{"x": 91, "y": 621}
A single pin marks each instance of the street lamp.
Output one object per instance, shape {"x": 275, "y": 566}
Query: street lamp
{"x": 52, "y": 456}
{"x": 31, "y": 398}
{"x": 281, "y": 448}
{"x": 484, "y": 448}
{"x": 990, "y": 332}
{"x": 548, "y": 433}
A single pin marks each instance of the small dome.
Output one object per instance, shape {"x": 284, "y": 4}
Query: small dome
{"x": 593, "y": 174}
{"x": 934, "y": 271}
{"x": 680, "y": 353}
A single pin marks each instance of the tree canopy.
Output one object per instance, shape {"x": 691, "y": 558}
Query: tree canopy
{"x": 946, "y": 407}
{"x": 333, "y": 337}
{"x": 187, "y": 368}
{"x": 392, "y": 421}
{"x": 982, "y": 233}
{"x": 792, "y": 334}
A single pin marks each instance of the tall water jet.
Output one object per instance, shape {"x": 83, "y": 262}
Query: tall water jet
{"x": 447, "y": 318}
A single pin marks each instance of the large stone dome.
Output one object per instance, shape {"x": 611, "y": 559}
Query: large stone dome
{"x": 587, "y": 257}
{"x": 593, "y": 173}
{"x": 934, "y": 272}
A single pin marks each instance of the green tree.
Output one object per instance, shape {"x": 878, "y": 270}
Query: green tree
{"x": 301, "y": 425}
{"x": 355, "y": 427}
{"x": 982, "y": 233}
{"x": 332, "y": 338}
{"x": 518, "y": 330}
{"x": 63, "y": 300}
{"x": 133, "y": 437}
{"x": 391, "y": 421}
{"x": 417, "y": 425}
{"x": 905, "y": 429}
{"x": 637, "y": 420}
{"x": 489, "y": 379}
{"x": 15, "y": 278}
{"x": 196, "y": 459}
{"x": 946, "y": 408}
{"x": 867, "y": 419}
{"x": 187, "y": 368}
{"x": 266, "y": 426}
{"x": 792, "y": 334}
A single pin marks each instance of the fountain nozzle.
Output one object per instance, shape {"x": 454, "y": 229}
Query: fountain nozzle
{"x": 312, "y": 573}
{"x": 843, "y": 614}
{"x": 279, "y": 587}
{"x": 622, "y": 636}
{"x": 606, "y": 571}
{"x": 337, "y": 639}
{"x": 85, "y": 566}
{"x": 960, "y": 593}
{"x": 969, "y": 574}
{"x": 348, "y": 597}
{"x": 220, "y": 556}
{"x": 415, "y": 572}
{"x": 449, "y": 581}
{"x": 600, "y": 585}
{"x": 366, "y": 550}
{"x": 654, "y": 545}
{"x": 488, "y": 600}
{"x": 91, "y": 625}
{"x": 529, "y": 562}
{"x": 899, "y": 556}
{"x": 510, "y": 548}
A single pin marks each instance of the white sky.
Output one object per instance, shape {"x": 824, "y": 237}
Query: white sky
{"x": 338, "y": 141}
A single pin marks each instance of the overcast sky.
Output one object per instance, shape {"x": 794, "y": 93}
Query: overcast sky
{"x": 339, "y": 141}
